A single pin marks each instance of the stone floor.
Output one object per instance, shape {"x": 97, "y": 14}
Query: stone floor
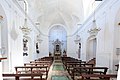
{"x": 57, "y": 71}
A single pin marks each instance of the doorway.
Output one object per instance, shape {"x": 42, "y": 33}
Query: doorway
{"x": 91, "y": 49}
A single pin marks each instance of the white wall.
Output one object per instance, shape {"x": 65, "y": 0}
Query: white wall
{"x": 105, "y": 19}
{"x": 107, "y": 40}
{"x": 12, "y": 36}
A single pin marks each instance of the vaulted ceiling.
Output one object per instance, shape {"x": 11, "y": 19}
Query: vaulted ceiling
{"x": 50, "y": 12}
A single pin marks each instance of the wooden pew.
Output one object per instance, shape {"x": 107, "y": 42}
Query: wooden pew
{"x": 38, "y": 64}
{"x": 17, "y": 76}
{"x": 68, "y": 59}
{"x": 68, "y": 63}
{"x": 92, "y": 61}
{"x": 44, "y": 62}
{"x": 98, "y": 76}
{"x": 71, "y": 66}
{"x": 95, "y": 77}
{"x": 32, "y": 69}
{"x": 88, "y": 70}
{"x": 45, "y": 59}
{"x": 40, "y": 61}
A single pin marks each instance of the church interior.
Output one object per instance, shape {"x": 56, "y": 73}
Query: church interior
{"x": 59, "y": 39}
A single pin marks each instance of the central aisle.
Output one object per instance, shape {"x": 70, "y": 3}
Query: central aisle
{"x": 58, "y": 72}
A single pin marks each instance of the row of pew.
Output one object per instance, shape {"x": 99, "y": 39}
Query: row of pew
{"x": 82, "y": 70}
{"x": 34, "y": 70}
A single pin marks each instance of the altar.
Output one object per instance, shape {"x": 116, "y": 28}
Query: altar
{"x": 57, "y": 47}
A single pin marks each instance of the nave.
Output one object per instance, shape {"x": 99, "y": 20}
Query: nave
{"x": 81, "y": 30}
{"x": 60, "y": 68}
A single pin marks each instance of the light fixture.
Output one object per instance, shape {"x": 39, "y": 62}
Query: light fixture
{"x": 94, "y": 30}
{"x": 25, "y": 28}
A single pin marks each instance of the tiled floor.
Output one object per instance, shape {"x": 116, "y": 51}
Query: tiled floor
{"x": 58, "y": 68}
{"x": 59, "y": 78}
{"x": 58, "y": 72}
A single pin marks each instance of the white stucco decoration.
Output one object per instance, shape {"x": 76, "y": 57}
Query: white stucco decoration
{"x": 13, "y": 32}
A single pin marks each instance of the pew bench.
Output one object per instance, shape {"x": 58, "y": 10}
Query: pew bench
{"x": 98, "y": 76}
{"x": 45, "y": 59}
{"x": 20, "y": 76}
{"x": 37, "y": 64}
{"x": 32, "y": 69}
{"x": 71, "y": 66}
{"x": 95, "y": 77}
{"x": 77, "y": 71}
{"x": 46, "y": 62}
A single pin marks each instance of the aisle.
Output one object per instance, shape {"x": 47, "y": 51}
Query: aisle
{"x": 58, "y": 72}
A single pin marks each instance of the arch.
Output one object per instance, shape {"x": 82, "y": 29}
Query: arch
{"x": 51, "y": 26}
{"x": 57, "y": 35}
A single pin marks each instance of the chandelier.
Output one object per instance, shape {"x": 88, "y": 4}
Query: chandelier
{"x": 94, "y": 31}
{"x": 25, "y": 28}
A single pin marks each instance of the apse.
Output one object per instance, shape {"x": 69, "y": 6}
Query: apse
{"x": 57, "y": 37}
